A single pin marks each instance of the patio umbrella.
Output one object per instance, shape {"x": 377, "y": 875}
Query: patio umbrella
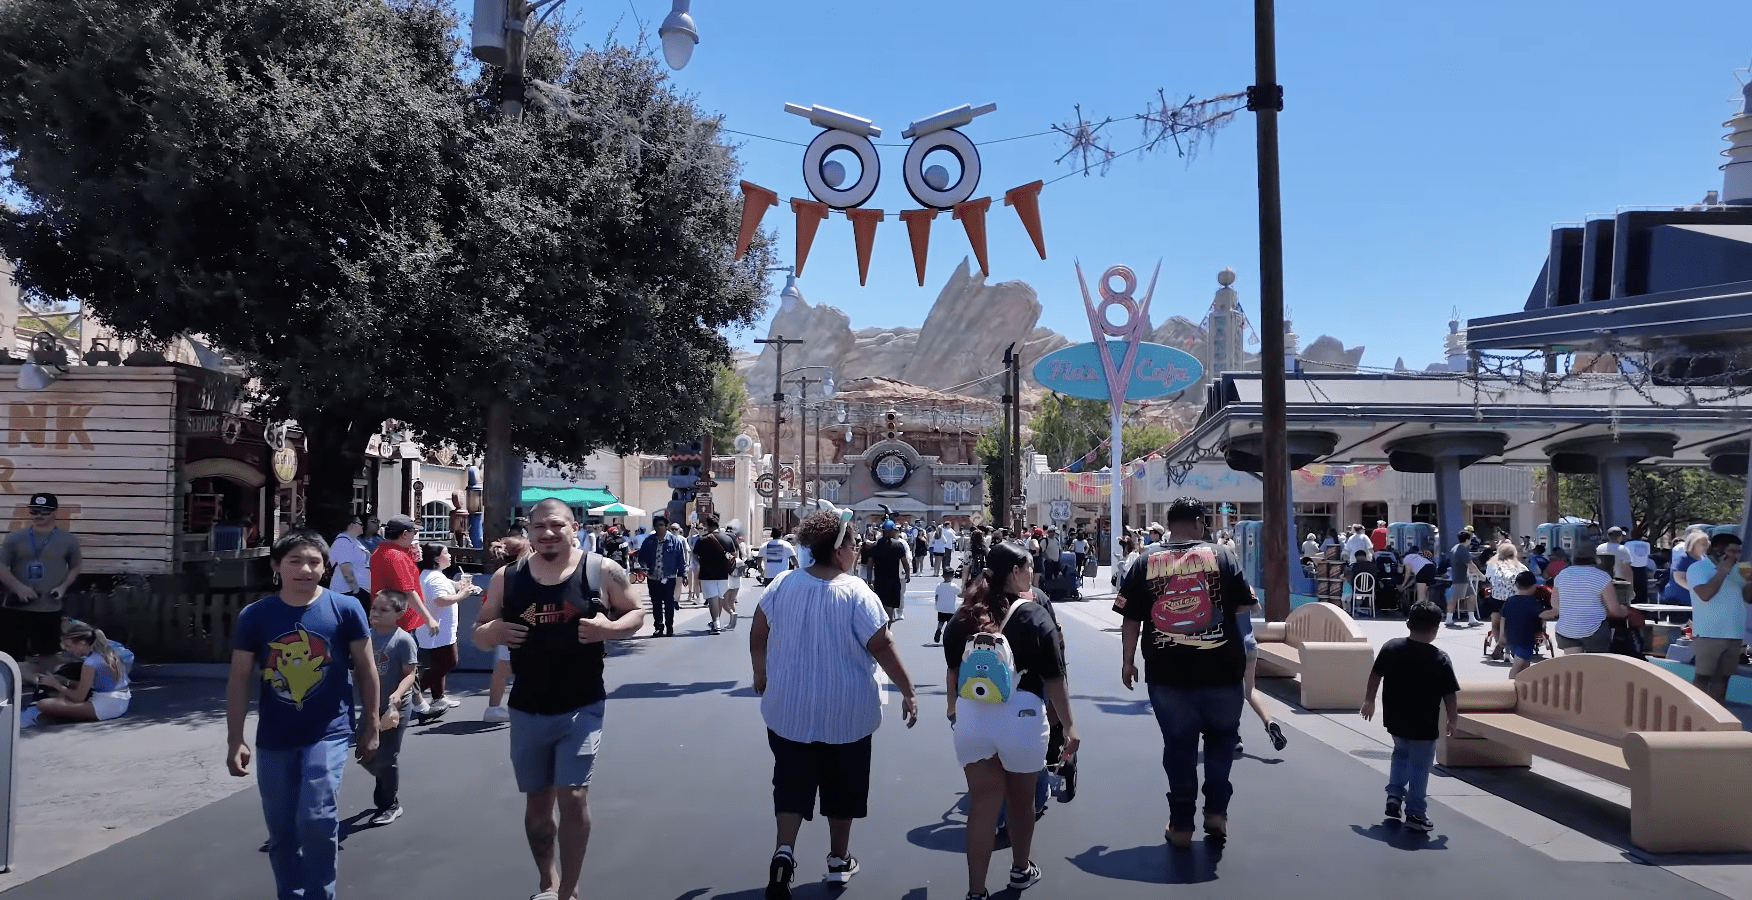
{"x": 616, "y": 509}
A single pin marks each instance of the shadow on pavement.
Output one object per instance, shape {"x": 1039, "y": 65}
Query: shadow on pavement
{"x": 653, "y": 690}
{"x": 189, "y": 702}
{"x": 1399, "y": 837}
{"x": 1596, "y": 817}
{"x": 460, "y": 726}
{"x": 1153, "y": 863}
{"x": 1119, "y": 705}
{"x": 948, "y": 834}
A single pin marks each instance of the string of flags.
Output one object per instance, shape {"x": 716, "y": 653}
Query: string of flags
{"x": 1333, "y": 476}
{"x": 929, "y": 185}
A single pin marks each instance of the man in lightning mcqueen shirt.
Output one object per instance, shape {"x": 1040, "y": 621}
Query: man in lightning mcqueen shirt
{"x": 1183, "y": 599}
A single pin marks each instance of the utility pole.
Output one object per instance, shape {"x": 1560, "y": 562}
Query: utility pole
{"x": 779, "y": 342}
{"x": 1010, "y": 449}
{"x": 803, "y": 382}
{"x": 1266, "y": 99}
{"x": 1016, "y": 522}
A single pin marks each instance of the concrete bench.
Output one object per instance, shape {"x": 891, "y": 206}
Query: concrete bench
{"x": 1686, "y": 760}
{"x": 1324, "y": 650}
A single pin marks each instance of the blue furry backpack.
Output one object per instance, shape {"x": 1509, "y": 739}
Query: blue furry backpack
{"x": 988, "y": 671}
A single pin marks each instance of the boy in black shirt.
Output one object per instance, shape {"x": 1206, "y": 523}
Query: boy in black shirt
{"x": 1420, "y": 679}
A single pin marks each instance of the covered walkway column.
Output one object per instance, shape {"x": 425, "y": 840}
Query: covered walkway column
{"x": 1444, "y": 454}
{"x": 1610, "y": 458}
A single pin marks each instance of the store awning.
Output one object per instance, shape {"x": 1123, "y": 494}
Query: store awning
{"x": 571, "y": 496}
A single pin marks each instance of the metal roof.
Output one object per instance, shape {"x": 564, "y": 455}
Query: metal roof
{"x": 1366, "y": 413}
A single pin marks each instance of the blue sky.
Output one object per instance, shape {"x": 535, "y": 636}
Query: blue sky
{"x": 1427, "y": 148}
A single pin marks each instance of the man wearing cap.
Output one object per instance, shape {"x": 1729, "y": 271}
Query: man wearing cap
{"x": 37, "y": 566}
{"x": 889, "y": 566}
{"x": 395, "y": 566}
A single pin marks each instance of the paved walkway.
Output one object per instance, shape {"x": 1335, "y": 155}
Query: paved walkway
{"x": 682, "y": 804}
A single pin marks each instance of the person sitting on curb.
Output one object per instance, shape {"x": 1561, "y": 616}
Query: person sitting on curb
{"x": 101, "y": 693}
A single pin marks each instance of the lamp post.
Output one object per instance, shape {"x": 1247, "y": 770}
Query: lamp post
{"x": 678, "y": 35}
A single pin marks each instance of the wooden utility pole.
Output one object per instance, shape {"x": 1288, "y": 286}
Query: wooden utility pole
{"x": 1015, "y": 474}
{"x": 1001, "y": 498}
{"x": 779, "y": 342}
{"x": 1266, "y": 99}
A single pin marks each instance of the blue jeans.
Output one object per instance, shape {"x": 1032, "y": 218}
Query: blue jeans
{"x": 1408, "y": 778}
{"x": 1183, "y": 714}
{"x": 298, "y": 788}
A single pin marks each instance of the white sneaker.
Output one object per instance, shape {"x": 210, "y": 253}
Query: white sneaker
{"x": 451, "y": 702}
{"x": 496, "y": 714}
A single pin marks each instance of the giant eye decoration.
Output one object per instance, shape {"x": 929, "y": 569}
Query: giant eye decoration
{"x": 935, "y": 140}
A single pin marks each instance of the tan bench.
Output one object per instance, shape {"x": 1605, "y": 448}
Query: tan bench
{"x": 1324, "y": 650}
{"x": 1686, "y": 760}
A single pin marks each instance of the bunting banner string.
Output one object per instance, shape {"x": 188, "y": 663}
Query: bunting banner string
{"x": 1334, "y": 476}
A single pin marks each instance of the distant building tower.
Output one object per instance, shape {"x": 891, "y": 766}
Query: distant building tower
{"x": 1737, "y": 173}
{"x": 1291, "y": 351}
{"x": 1223, "y": 335}
{"x": 1455, "y": 345}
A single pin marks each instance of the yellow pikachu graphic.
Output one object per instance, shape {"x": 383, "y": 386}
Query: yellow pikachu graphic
{"x": 297, "y": 665}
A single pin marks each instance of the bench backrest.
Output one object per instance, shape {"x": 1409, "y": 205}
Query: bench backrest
{"x": 1316, "y": 622}
{"x": 1612, "y": 695}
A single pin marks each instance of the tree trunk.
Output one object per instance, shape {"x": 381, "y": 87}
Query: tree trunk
{"x": 336, "y": 446}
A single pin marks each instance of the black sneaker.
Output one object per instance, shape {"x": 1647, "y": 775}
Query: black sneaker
{"x": 386, "y": 816}
{"x": 1278, "y": 741}
{"x": 840, "y": 871}
{"x": 1025, "y": 878}
{"x": 978, "y": 895}
{"x": 1418, "y": 823}
{"x": 1394, "y": 807}
{"x": 779, "y": 874}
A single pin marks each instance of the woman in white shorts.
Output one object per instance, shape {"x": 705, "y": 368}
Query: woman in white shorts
{"x": 1002, "y": 745}
{"x": 101, "y": 693}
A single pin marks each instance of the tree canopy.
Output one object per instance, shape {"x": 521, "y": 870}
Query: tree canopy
{"x": 1067, "y": 428}
{"x": 1662, "y": 500}
{"x": 318, "y": 188}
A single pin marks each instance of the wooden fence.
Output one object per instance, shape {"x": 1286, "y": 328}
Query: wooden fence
{"x": 169, "y": 627}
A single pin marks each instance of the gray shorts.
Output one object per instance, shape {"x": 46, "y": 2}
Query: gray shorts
{"x": 1717, "y": 657}
{"x": 1598, "y": 642}
{"x": 555, "y": 750}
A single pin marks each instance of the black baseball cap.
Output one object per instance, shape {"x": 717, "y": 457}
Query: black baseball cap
{"x": 44, "y": 500}
{"x": 398, "y": 526}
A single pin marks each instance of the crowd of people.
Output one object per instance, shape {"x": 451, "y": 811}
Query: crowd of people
{"x": 374, "y": 616}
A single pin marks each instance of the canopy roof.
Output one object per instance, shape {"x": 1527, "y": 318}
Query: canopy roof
{"x": 571, "y": 496}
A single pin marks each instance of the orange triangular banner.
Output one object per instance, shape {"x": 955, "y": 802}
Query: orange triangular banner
{"x": 864, "y": 233}
{"x": 755, "y": 200}
{"x": 1026, "y": 200}
{"x": 972, "y": 215}
{"x": 810, "y": 214}
{"x": 918, "y": 230}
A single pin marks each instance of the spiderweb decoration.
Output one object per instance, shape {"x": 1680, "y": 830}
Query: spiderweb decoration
{"x": 1190, "y": 124}
{"x": 1086, "y": 143}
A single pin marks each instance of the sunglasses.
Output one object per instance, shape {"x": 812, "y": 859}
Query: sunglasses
{"x": 41, "y": 511}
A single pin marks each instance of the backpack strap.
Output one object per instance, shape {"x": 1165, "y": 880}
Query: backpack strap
{"x": 1014, "y": 605}
{"x": 593, "y": 571}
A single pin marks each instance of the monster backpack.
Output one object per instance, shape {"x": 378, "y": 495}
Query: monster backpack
{"x": 988, "y": 671}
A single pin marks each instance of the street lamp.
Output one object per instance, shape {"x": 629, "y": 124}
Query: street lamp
{"x": 679, "y": 35}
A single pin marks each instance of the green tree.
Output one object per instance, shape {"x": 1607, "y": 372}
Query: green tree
{"x": 1662, "y": 499}
{"x": 1067, "y": 428}
{"x": 315, "y": 187}
{"x": 724, "y": 413}
{"x": 989, "y": 449}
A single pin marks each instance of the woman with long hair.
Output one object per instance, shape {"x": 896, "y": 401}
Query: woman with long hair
{"x": 505, "y": 551}
{"x": 101, "y": 693}
{"x": 1001, "y": 729}
{"x": 438, "y": 650}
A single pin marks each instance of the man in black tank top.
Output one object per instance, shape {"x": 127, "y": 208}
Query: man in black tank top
{"x": 554, "y": 610}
